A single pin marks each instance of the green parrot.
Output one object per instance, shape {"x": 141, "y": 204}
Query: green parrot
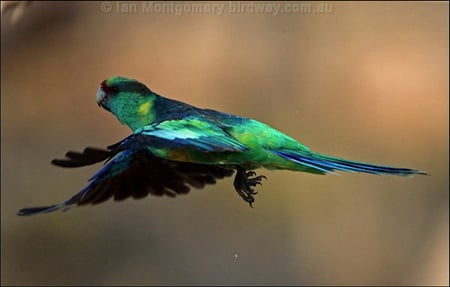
{"x": 175, "y": 146}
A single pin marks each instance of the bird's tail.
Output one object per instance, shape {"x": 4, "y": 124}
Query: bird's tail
{"x": 328, "y": 164}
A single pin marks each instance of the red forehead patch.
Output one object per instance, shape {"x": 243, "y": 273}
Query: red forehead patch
{"x": 105, "y": 87}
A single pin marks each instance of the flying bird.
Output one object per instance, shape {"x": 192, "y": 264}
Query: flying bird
{"x": 175, "y": 146}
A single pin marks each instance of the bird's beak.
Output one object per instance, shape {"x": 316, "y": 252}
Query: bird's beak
{"x": 100, "y": 97}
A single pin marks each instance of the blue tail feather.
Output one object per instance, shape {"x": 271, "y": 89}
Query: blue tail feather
{"x": 328, "y": 164}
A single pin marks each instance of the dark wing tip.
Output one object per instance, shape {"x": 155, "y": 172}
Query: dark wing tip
{"x": 39, "y": 210}
{"x": 90, "y": 155}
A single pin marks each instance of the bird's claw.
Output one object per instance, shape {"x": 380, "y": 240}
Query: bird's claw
{"x": 250, "y": 173}
{"x": 245, "y": 185}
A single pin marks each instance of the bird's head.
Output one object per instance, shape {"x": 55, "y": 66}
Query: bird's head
{"x": 129, "y": 100}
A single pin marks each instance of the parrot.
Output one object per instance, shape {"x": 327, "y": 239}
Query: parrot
{"x": 175, "y": 146}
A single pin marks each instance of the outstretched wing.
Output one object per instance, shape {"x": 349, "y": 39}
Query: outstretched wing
{"x": 89, "y": 156}
{"x": 190, "y": 133}
{"x": 132, "y": 173}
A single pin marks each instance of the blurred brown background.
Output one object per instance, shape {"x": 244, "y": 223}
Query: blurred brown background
{"x": 364, "y": 81}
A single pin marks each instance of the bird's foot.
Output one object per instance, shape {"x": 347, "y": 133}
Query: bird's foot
{"x": 244, "y": 183}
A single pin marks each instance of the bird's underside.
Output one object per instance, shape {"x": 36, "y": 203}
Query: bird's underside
{"x": 141, "y": 173}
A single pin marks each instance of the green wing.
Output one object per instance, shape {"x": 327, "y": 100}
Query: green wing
{"x": 192, "y": 134}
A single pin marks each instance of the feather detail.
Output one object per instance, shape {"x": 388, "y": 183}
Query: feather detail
{"x": 328, "y": 164}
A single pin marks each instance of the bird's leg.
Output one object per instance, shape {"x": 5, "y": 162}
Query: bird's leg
{"x": 244, "y": 184}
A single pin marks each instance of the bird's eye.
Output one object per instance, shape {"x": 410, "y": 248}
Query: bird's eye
{"x": 115, "y": 90}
